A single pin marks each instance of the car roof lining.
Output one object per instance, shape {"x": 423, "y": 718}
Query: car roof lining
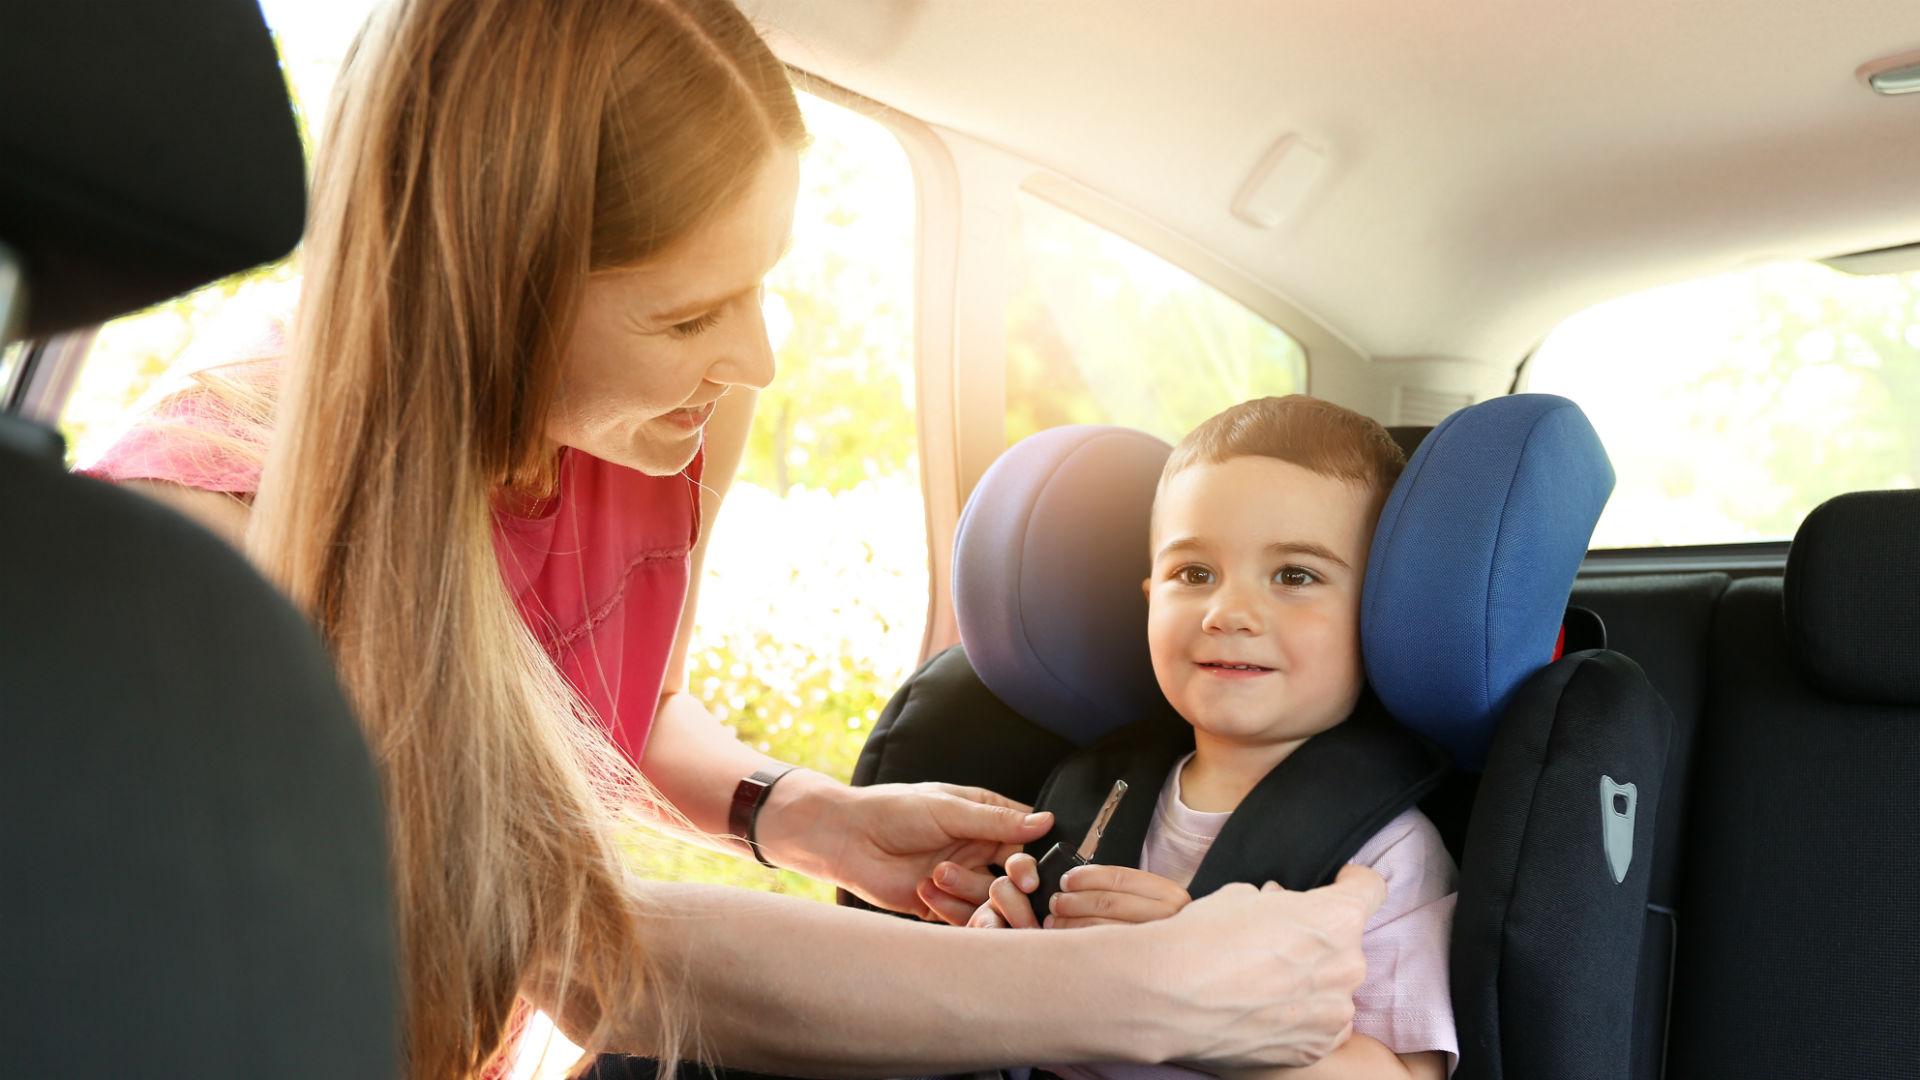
{"x": 1494, "y": 165}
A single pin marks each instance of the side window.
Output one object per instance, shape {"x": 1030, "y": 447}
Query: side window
{"x": 1733, "y": 405}
{"x": 1101, "y": 331}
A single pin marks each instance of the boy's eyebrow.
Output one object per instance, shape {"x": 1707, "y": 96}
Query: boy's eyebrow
{"x": 1307, "y": 547}
{"x": 1184, "y": 543}
{"x": 1279, "y": 547}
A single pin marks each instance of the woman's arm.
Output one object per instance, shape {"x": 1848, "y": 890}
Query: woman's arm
{"x": 1362, "y": 1058}
{"x": 1240, "y": 977}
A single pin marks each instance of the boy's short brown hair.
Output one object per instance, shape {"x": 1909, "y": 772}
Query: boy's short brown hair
{"x": 1316, "y": 435}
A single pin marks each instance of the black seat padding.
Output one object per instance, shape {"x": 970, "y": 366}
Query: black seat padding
{"x": 1558, "y": 957}
{"x": 195, "y": 874}
{"x": 145, "y": 148}
{"x": 1800, "y": 951}
{"x": 195, "y": 871}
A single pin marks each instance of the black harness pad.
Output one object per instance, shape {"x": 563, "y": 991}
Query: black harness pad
{"x": 1298, "y": 826}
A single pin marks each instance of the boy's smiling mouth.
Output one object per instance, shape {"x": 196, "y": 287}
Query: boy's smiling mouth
{"x": 1220, "y": 667}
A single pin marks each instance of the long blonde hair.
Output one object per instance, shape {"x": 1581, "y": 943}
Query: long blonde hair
{"x": 482, "y": 158}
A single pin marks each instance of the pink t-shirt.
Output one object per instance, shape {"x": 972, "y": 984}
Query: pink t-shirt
{"x": 600, "y": 574}
{"x": 1404, "y": 1002}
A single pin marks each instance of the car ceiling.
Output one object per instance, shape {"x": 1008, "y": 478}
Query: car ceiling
{"x": 1492, "y": 165}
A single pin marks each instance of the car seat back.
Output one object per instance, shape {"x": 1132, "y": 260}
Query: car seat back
{"x": 196, "y": 876}
{"x": 1800, "y": 952}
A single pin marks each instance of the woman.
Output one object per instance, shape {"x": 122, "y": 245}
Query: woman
{"x": 529, "y": 327}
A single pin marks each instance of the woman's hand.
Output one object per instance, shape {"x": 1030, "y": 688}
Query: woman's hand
{"x": 1264, "y": 976}
{"x": 923, "y": 849}
{"x": 1097, "y": 895}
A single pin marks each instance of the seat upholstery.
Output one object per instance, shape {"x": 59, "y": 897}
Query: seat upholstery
{"x": 195, "y": 878}
{"x": 1800, "y": 948}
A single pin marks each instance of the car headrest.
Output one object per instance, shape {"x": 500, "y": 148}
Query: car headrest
{"x": 144, "y": 149}
{"x": 1853, "y": 596}
{"x": 1473, "y": 561}
{"x": 1053, "y": 545}
{"x": 1047, "y": 565}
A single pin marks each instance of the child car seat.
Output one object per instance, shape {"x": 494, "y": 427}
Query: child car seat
{"x": 1465, "y": 597}
{"x": 195, "y": 878}
{"x": 1560, "y": 968}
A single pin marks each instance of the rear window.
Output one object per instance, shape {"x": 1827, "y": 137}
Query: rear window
{"x": 1733, "y": 405}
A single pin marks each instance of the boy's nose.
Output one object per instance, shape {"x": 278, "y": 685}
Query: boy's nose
{"x": 1231, "y": 612}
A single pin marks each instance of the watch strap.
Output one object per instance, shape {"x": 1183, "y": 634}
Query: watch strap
{"x": 749, "y": 795}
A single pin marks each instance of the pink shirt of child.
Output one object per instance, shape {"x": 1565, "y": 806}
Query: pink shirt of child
{"x": 600, "y": 572}
{"x": 1404, "y": 1001}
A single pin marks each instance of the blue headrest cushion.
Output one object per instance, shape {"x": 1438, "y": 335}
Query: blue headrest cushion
{"x": 1473, "y": 561}
{"x": 1048, "y": 561}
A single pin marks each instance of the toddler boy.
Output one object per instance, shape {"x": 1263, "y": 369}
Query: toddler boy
{"x": 1260, "y": 531}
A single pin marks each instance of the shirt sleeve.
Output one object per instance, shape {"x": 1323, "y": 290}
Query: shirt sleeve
{"x": 200, "y": 434}
{"x": 1405, "y": 1002}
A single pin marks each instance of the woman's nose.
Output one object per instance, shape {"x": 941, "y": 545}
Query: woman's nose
{"x": 746, "y": 357}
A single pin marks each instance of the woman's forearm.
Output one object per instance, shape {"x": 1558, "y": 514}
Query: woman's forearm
{"x": 782, "y": 985}
{"x": 695, "y": 762}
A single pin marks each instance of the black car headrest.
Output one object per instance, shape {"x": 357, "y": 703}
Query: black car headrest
{"x": 145, "y": 148}
{"x": 1853, "y": 597}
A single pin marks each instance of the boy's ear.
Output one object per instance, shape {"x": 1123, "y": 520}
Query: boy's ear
{"x": 1146, "y": 585}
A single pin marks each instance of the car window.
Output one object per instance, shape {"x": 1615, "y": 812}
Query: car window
{"x": 1101, "y": 331}
{"x": 1733, "y": 405}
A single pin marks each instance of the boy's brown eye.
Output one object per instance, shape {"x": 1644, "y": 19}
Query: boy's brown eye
{"x": 1294, "y": 577}
{"x": 1193, "y": 575}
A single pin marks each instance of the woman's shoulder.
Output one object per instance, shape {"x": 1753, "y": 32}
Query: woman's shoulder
{"x": 207, "y": 430}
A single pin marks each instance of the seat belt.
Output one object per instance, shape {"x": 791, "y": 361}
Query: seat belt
{"x": 1298, "y": 826}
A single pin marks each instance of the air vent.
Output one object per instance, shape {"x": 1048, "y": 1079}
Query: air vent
{"x": 1418, "y": 405}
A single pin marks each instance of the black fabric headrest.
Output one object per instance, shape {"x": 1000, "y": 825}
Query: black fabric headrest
{"x": 1853, "y": 597}
{"x": 145, "y": 148}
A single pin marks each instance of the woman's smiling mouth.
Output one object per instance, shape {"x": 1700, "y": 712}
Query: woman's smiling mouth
{"x": 691, "y": 417}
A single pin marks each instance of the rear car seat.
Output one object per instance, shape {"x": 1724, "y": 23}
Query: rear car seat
{"x": 195, "y": 878}
{"x": 1799, "y": 951}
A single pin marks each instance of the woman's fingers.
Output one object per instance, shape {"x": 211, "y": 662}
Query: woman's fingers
{"x": 955, "y": 891}
{"x": 946, "y": 907}
{"x": 982, "y": 795}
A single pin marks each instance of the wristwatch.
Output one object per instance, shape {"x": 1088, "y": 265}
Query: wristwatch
{"x": 748, "y": 796}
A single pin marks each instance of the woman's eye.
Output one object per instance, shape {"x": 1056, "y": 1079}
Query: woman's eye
{"x": 1294, "y": 577}
{"x": 695, "y": 325}
{"x": 1193, "y": 575}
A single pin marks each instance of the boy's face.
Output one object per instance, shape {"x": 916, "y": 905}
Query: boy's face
{"x": 1254, "y": 601}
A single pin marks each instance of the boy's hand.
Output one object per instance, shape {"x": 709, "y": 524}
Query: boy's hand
{"x": 1007, "y": 898}
{"x": 1099, "y": 895}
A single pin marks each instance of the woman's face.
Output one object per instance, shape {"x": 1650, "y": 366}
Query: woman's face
{"x": 654, "y": 346}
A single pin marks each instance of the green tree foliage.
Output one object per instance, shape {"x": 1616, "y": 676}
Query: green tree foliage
{"x": 840, "y": 308}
